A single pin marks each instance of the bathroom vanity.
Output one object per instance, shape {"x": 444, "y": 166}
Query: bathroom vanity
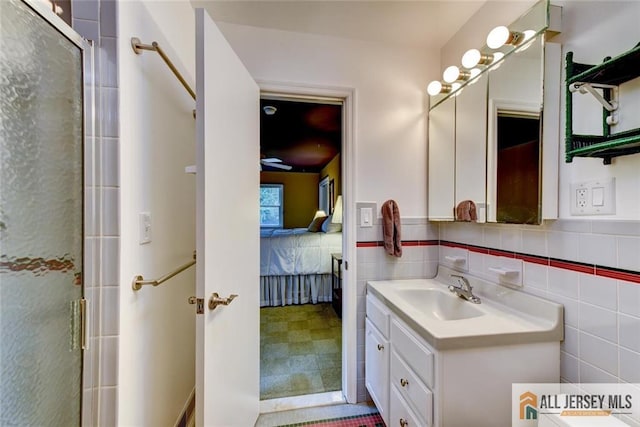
{"x": 434, "y": 359}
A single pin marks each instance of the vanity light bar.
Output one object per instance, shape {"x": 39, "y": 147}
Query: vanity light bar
{"x": 472, "y": 58}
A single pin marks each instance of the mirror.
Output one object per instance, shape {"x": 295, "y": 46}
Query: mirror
{"x": 485, "y": 135}
{"x": 514, "y": 137}
{"x": 442, "y": 128}
{"x": 471, "y": 148}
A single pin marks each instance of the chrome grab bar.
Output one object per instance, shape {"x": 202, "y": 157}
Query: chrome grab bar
{"x": 139, "y": 281}
{"x": 138, "y": 47}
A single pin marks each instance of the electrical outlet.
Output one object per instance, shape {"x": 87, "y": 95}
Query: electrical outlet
{"x": 593, "y": 197}
{"x": 582, "y": 194}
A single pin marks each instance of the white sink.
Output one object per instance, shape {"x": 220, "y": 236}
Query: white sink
{"x": 440, "y": 303}
{"x": 446, "y": 321}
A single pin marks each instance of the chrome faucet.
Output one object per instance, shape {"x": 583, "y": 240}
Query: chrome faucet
{"x": 464, "y": 290}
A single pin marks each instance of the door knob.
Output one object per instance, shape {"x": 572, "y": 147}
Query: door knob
{"x": 216, "y": 300}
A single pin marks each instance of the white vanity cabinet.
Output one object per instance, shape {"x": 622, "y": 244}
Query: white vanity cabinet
{"x": 398, "y": 368}
{"x": 461, "y": 381}
{"x": 411, "y": 368}
{"x": 377, "y": 351}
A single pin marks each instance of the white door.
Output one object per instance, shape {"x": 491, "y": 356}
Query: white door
{"x": 227, "y": 227}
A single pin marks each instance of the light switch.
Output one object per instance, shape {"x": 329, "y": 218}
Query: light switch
{"x": 366, "y": 217}
{"x": 145, "y": 227}
{"x": 597, "y": 196}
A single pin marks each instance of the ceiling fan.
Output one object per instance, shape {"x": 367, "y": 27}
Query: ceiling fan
{"x": 274, "y": 162}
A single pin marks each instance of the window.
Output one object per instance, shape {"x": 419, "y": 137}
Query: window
{"x": 271, "y": 202}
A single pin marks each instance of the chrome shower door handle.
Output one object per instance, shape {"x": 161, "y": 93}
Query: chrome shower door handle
{"x": 215, "y": 300}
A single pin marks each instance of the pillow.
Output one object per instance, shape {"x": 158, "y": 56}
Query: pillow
{"x": 329, "y": 227}
{"x": 316, "y": 224}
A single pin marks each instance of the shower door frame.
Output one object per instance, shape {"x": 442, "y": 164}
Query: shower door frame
{"x": 89, "y": 408}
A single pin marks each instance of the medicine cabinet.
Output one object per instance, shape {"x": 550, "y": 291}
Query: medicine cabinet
{"x": 487, "y": 142}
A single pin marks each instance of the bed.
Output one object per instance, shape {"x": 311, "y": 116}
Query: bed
{"x": 295, "y": 266}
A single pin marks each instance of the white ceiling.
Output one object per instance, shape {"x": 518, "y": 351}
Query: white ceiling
{"x": 424, "y": 24}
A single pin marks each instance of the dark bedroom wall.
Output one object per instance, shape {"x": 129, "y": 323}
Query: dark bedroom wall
{"x": 300, "y": 195}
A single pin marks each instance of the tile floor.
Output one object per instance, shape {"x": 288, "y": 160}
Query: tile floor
{"x": 300, "y": 350}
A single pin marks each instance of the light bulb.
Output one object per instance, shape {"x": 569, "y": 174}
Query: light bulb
{"x": 451, "y": 74}
{"x": 471, "y": 58}
{"x": 498, "y": 37}
{"x": 434, "y": 88}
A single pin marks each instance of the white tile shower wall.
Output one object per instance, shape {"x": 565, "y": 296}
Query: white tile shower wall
{"x": 602, "y": 314}
{"x": 95, "y": 20}
{"x": 419, "y": 260}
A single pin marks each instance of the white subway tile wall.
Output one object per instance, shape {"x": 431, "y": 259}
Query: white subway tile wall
{"x": 419, "y": 259}
{"x": 95, "y": 20}
{"x": 602, "y": 314}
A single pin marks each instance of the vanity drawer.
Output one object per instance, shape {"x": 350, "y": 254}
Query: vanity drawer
{"x": 411, "y": 388}
{"x": 400, "y": 415}
{"x": 378, "y": 314}
{"x": 413, "y": 351}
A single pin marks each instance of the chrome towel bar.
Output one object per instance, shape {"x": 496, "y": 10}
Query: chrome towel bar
{"x": 138, "y": 281}
{"x": 138, "y": 47}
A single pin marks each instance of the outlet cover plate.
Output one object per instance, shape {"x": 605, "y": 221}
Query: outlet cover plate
{"x": 584, "y": 203}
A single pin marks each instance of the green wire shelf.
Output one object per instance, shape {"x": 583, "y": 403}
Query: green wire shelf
{"x": 613, "y": 71}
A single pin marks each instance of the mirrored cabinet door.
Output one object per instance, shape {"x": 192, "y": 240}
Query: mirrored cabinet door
{"x": 471, "y": 146}
{"x": 442, "y": 128}
{"x": 514, "y": 142}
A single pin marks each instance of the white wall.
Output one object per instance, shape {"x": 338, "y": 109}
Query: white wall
{"x": 390, "y": 101}
{"x": 157, "y": 327}
{"x": 592, "y": 31}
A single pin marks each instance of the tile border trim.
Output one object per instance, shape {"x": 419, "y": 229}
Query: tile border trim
{"x": 593, "y": 269}
{"x": 378, "y": 243}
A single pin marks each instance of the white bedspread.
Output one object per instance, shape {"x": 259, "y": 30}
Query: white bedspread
{"x": 297, "y": 251}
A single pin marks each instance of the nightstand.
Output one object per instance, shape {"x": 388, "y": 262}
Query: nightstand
{"x": 336, "y": 283}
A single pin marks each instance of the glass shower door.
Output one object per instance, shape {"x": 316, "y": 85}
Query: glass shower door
{"x": 41, "y": 220}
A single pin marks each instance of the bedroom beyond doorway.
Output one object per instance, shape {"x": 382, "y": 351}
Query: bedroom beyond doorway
{"x": 301, "y": 233}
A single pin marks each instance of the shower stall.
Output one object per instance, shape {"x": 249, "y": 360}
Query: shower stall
{"x": 45, "y": 116}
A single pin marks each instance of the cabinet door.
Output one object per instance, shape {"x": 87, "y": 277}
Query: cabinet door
{"x": 376, "y": 369}
{"x": 442, "y": 161}
{"x": 471, "y": 145}
{"x": 399, "y": 413}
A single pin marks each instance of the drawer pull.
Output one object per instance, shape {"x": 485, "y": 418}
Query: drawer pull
{"x": 403, "y": 422}
{"x": 380, "y": 347}
{"x": 403, "y": 382}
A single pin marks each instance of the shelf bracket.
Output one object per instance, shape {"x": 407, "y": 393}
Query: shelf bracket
{"x": 582, "y": 87}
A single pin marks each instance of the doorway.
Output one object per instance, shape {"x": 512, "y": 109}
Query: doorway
{"x": 319, "y": 329}
{"x": 41, "y": 217}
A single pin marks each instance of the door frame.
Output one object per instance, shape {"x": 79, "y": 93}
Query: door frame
{"x": 348, "y": 166}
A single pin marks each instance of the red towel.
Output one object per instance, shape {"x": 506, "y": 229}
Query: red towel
{"x": 391, "y": 228}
